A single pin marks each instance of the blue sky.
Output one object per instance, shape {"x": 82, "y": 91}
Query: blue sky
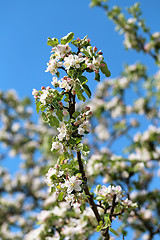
{"x": 26, "y": 24}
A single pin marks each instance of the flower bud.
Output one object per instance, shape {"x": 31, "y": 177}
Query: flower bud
{"x": 87, "y": 108}
{"x": 74, "y": 93}
{"x": 48, "y": 88}
{"x": 80, "y": 55}
{"x": 100, "y": 52}
{"x": 95, "y": 49}
{"x": 43, "y": 88}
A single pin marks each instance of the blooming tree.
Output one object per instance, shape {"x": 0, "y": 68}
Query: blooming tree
{"x": 120, "y": 147}
{"x": 67, "y": 179}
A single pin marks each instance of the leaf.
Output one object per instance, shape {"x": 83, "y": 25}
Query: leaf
{"x": 97, "y": 77}
{"x": 98, "y": 187}
{"x": 87, "y": 90}
{"x": 85, "y": 150}
{"x": 53, "y": 121}
{"x": 60, "y": 197}
{"x": 55, "y": 105}
{"x": 59, "y": 114}
{"x": 66, "y": 155}
{"x": 38, "y": 106}
{"x": 99, "y": 227}
{"x": 113, "y": 231}
{"x": 79, "y": 92}
{"x": 72, "y": 141}
{"x": 85, "y": 52}
{"x": 66, "y": 99}
{"x": 53, "y": 177}
{"x": 107, "y": 220}
{"x": 57, "y": 74}
{"x": 83, "y": 79}
{"x": 82, "y": 207}
{"x": 52, "y": 42}
{"x": 76, "y": 114}
{"x": 67, "y": 38}
{"x": 44, "y": 117}
{"x": 104, "y": 69}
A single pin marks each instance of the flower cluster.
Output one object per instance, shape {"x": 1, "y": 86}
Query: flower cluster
{"x": 58, "y": 107}
{"x": 114, "y": 197}
{"x": 65, "y": 185}
{"x": 63, "y": 57}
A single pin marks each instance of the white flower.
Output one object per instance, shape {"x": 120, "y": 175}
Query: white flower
{"x": 85, "y": 126}
{"x": 51, "y": 172}
{"x": 102, "y": 132}
{"x": 61, "y": 50}
{"x": 72, "y": 184}
{"x": 72, "y": 61}
{"x": 34, "y": 92}
{"x": 66, "y": 83}
{"x": 34, "y": 234}
{"x": 96, "y": 62}
{"x": 55, "y": 82}
{"x": 69, "y": 198}
{"x": 56, "y": 145}
{"x": 43, "y": 96}
{"x": 62, "y": 131}
{"x": 53, "y": 65}
{"x": 108, "y": 192}
{"x": 43, "y": 215}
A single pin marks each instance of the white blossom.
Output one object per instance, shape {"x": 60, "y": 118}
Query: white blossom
{"x": 62, "y": 131}
{"x": 72, "y": 61}
{"x": 73, "y": 183}
{"x": 85, "y": 126}
{"x": 53, "y": 65}
{"x": 56, "y": 145}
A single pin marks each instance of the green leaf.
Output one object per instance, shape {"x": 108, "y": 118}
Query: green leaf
{"x": 55, "y": 105}
{"x": 107, "y": 220}
{"x": 72, "y": 141}
{"x": 80, "y": 146}
{"x": 59, "y": 114}
{"x": 60, "y": 197}
{"x": 78, "y": 140}
{"x": 44, "y": 117}
{"x": 38, "y": 106}
{"x": 57, "y": 74}
{"x": 85, "y": 52}
{"x": 82, "y": 207}
{"x": 52, "y": 42}
{"x": 99, "y": 227}
{"x": 66, "y": 155}
{"x": 66, "y": 99}
{"x": 97, "y": 77}
{"x": 83, "y": 79}
{"x": 104, "y": 69}
{"x": 98, "y": 187}
{"x": 87, "y": 90}
{"x": 53, "y": 121}
{"x": 79, "y": 92}
{"x": 53, "y": 177}
{"x": 113, "y": 231}
{"x": 85, "y": 150}
{"x": 68, "y": 38}
{"x": 76, "y": 114}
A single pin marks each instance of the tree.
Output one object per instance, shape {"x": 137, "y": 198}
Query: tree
{"x": 115, "y": 120}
